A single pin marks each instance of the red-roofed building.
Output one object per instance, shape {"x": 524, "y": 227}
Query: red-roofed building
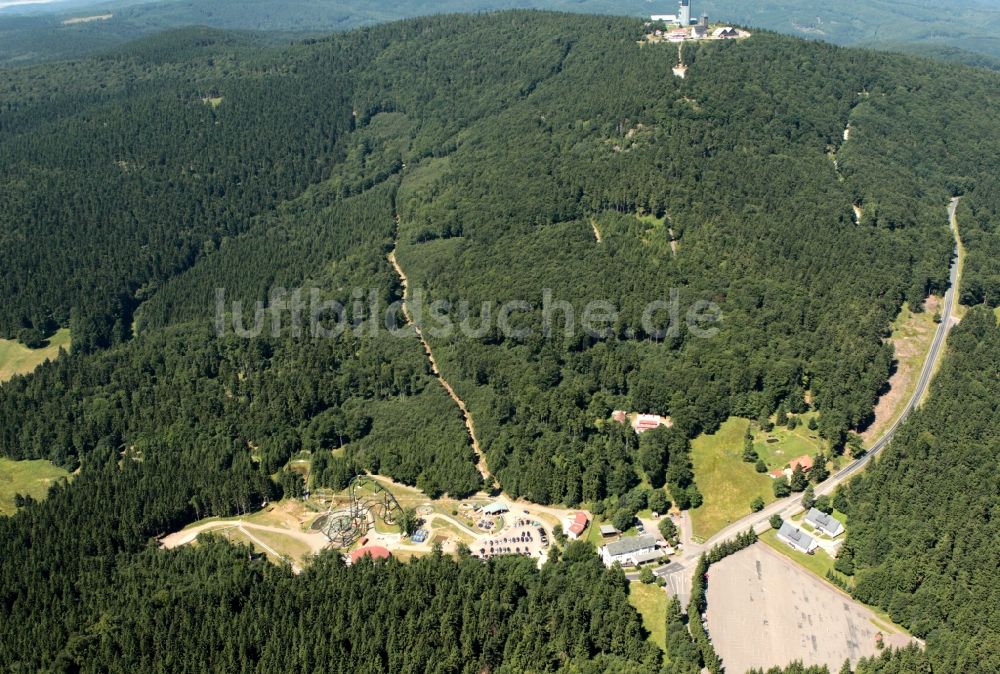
{"x": 373, "y": 551}
{"x": 647, "y": 422}
{"x": 620, "y": 416}
{"x": 577, "y": 525}
{"x": 805, "y": 461}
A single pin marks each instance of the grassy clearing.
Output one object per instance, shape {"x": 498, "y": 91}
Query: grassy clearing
{"x": 15, "y": 358}
{"x": 594, "y": 532}
{"x": 912, "y": 334}
{"x": 285, "y": 546}
{"x": 31, "y": 478}
{"x": 239, "y": 537}
{"x": 651, "y": 603}
{"x": 439, "y": 527}
{"x": 727, "y": 483}
{"x": 790, "y": 444}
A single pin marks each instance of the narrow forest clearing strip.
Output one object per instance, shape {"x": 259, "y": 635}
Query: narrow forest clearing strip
{"x": 469, "y": 423}
{"x": 597, "y": 232}
{"x": 912, "y": 334}
{"x": 651, "y": 603}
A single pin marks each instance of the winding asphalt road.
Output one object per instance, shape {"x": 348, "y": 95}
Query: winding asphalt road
{"x": 792, "y": 505}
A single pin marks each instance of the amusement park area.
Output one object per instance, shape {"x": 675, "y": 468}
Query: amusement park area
{"x": 377, "y": 517}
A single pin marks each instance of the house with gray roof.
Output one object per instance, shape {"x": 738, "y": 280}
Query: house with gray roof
{"x": 630, "y": 551}
{"x": 823, "y": 523}
{"x": 796, "y": 538}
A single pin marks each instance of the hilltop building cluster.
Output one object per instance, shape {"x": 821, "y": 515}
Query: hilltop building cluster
{"x": 680, "y": 27}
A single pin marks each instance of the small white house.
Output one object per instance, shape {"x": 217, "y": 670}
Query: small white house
{"x": 576, "y": 524}
{"x": 823, "y": 523}
{"x": 725, "y": 32}
{"x": 796, "y": 538}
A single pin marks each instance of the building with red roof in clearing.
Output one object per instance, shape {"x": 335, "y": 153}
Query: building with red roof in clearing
{"x": 647, "y": 422}
{"x": 641, "y": 422}
{"x": 805, "y": 461}
{"x": 373, "y": 551}
{"x": 577, "y": 525}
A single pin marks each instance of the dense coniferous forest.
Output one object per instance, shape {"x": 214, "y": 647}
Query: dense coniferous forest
{"x": 486, "y": 151}
{"x": 924, "y": 535}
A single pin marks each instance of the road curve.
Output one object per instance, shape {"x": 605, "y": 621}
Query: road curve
{"x": 792, "y": 505}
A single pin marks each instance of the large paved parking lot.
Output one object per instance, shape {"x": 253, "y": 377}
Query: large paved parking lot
{"x": 764, "y": 610}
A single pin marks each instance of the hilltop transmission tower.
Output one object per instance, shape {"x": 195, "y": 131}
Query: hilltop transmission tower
{"x": 684, "y": 13}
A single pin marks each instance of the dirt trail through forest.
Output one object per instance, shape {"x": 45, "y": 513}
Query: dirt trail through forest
{"x": 470, "y": 424}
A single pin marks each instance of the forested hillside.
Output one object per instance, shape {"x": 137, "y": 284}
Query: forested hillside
{"x": 962, "y": 30}
{"x": 141, "y": 183}
{"x": 490, "y": 154}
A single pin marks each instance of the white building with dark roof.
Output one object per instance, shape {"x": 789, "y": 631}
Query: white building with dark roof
{"x": 823, "y": 523}
{"x": 630, "y": 551}
{"x": 796, "y": 538}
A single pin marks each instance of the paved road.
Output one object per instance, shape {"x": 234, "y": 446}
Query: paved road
{"x": 791, "y": 506}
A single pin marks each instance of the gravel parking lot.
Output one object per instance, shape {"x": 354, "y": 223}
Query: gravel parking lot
{"x": 764, "y": 610}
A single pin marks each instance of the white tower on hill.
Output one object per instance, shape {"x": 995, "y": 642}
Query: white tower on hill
{"x": 684, "y": 15}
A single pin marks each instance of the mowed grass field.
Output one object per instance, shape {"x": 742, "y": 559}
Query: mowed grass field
{"x": 726, "y": 482}
{"x": 31, "y": 478}
{"x": 16, "y": 358}
{"x": 651, "y": 602}
{"x": 790, "y": 444}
